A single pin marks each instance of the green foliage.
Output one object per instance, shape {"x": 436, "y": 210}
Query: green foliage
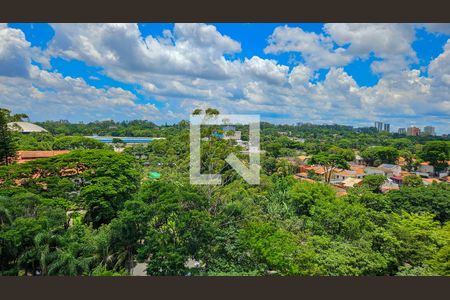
{"x": 284, "y": 168}
{"x": 94, "y": 212}
{"x": 275, "y": 249}
{"x": 410, "y": 162}
{"x": 346, "y": 154}
{"x": 304, "y": 195}
{"x": 175, "y": 234}
{"x": 370, "y": 199}
{"x": 211, "y": 111}
{"x": 432, "y": 199}
{"x": 373, "y": 182}
{"x": 375, "y": 156}
{"x": 102, "y": 182}
{"x": 412, "y": 181}
{"x": 8, "y": 139}
{"x": 417, "y": 237}
{"x": 440, "y": 262}
{"x": 342, "y": 258}
{"x": 35, "y": 141}
{"x": 197, "y": 111}
{"x": 268, "y": 164}
{"x": 330, "y": 162}
{"x": 402, "y": 144}
{"x": 77, "y": 142}
{"x": 437, "y": 153}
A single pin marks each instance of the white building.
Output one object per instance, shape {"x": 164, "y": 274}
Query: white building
{"x": 427, "y": 170}
{"x": 25, "y": 127}
{"x": 390, "y": 169}
{"x": 374, "y": 171}
{"x": 429, "y": 130}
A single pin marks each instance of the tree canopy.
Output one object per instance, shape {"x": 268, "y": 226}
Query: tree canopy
{"x": 96, "y": 212}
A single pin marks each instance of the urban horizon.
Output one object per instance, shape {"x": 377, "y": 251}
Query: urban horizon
{"x": 394, "y": 129}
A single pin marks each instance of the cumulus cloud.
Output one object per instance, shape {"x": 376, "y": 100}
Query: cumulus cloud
{"x": 390, "y": 42}
{"x": 191, "y": 49}
{"x": 43, "y": 94}
{"x": 438, "y": 28}
{"x": 48, "y": 95}
{"x": 316, "y": 49}
{"x": 266, "y": 70}
{"x": 193, "y": 65}
{"x": 383, "y": 40}
{"x": 15, "y": 53}
{"x": 439, "y": 68}
{"x": 342, "y": 43}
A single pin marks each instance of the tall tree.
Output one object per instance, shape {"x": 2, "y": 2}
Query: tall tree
{"x": 330, "y": 162}
{"x": 437, "y": 153}
{"x": 212, "y": 111}
{"x": 410, "y": 163}
{"x": 378, "y": 155}
{"x": 7, "y": 139}
{"x": 374, "y": 182}
{"x": 197, "y": 111}
{"x": 412, "y": 181}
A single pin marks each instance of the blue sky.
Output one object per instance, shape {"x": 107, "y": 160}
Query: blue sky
{"x": 350, "y": 74}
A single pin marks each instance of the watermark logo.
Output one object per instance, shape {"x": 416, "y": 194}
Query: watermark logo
{"x": 250, "y": 173}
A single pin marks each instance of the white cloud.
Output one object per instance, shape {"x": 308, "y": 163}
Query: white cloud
{"x": 266, "y": 70}
{"x": 439, "y": 28}
{"x": 189, "y": 67}
{"x": 343, "y": 43}
{"x": 15, "y": 53}
{"x": 439, "y": 68}
{"x": 49, "y": 95}
{"x": 390, "y": 42}
{"x": 206, "y": 37}
{"x": 192, "y": 49}
{"x": 43, "y": 94}
{"x": 316, "y": 49}
{"x": 384, "y": 40}
{"x": 300, "y": 76}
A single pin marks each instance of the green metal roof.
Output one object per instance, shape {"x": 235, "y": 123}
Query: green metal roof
{"x": 154, "y": 175}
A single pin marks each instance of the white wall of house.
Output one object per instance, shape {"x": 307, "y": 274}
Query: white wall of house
{"x": 394, "y": 169}
{"x": 374, "y": 171}
{"x": 426, "y": 169}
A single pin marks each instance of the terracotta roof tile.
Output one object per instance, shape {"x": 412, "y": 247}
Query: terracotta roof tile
{"x": 23, "y": 156}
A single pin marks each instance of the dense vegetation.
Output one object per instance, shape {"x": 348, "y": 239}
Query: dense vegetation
{"x": 95, "y": 212}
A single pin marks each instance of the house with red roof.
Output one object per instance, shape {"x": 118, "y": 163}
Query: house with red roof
{"x": 25, "y": 156}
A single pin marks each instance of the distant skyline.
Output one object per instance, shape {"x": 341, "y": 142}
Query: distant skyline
{"x": 350, "y": 74}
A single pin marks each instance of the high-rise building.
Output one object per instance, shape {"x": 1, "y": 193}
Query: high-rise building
{"x": 402, "y": 131}
{"x": 429, "y": 130}
{"x": 379, "y": 126}
{"x": 413, "y": 131}
{"x": 387, "y": 127}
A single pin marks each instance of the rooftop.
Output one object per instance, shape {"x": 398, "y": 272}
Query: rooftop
{"x": 355, "y": 170}
{"x": 25, "y": 127}
{"x": 351, "y": 182}
{"x": 388, "y": 166}
{"x": 127, "y": 140}
{"x": 24, "y": 156}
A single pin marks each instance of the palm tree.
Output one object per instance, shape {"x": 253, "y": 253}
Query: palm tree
{"x": 41, "y": 253}
{"x": 45, "y": 243}
{"x": 77, "y": 253}
{"x": 67, "y": 263}
{"x": 5, "y": 216}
